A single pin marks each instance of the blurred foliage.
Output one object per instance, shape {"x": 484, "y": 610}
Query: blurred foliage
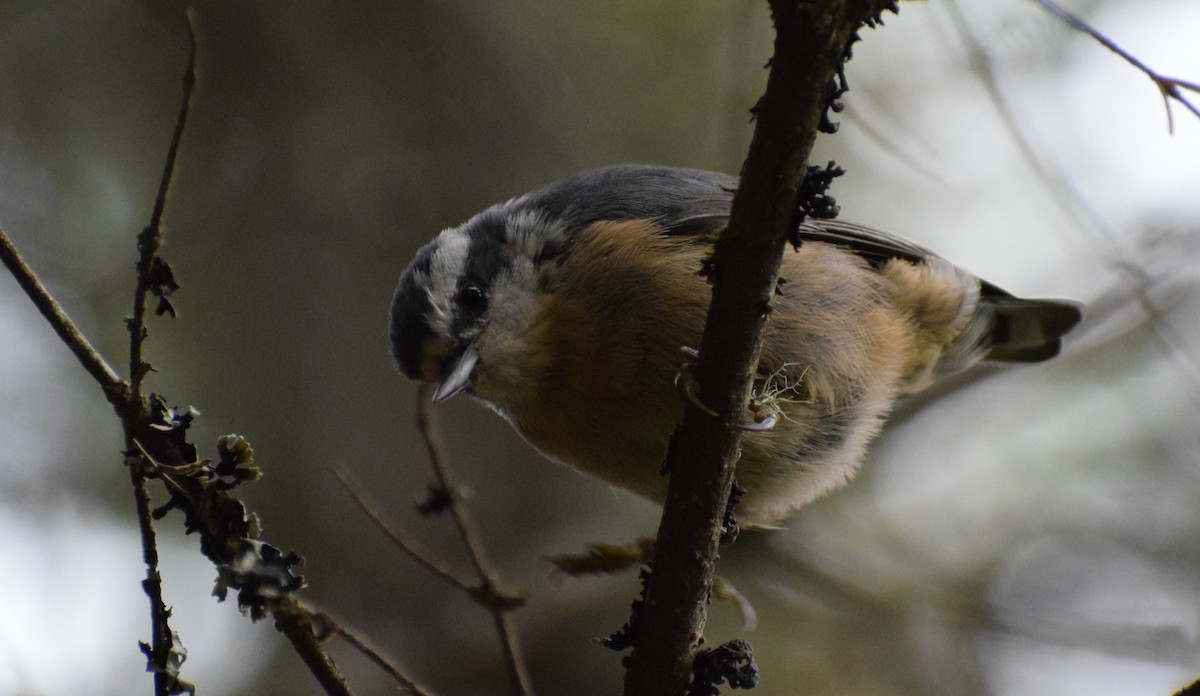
{"x": 1031, "y": 531}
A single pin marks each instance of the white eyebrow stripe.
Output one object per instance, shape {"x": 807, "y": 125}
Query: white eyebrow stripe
{"x": 446, "y": 266}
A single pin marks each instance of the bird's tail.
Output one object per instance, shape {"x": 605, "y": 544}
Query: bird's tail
{"x": 1028, "y": 330}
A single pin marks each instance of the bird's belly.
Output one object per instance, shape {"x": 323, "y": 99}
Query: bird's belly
{"x": 808, "y": 453}
{"x": 628, "y": 452}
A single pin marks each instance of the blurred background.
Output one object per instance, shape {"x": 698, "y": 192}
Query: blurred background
{"x": 1029, "y": 531}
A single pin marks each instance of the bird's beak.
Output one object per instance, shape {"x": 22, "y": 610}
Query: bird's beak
{"x": 459, "y": 375}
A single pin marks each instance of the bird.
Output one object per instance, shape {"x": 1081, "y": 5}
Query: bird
{"x": 565, "y": 311}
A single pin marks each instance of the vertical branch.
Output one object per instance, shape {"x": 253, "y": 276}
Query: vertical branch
{"x": 811, "y": 41}
{"x": 488, "y": 592}
{"x": 148, "y": 242}
{"x": 262, "y": 575}
{"x": 514, "y": 662}
{"x": 161, "y": 640}
{"x": 150, "y": 238}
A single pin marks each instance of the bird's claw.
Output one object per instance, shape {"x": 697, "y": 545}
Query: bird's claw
{"x": 759, "y": 418}
{"x": 685, "y": 382}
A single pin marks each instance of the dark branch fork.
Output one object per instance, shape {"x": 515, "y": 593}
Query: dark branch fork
{"x": 158, "y": 450}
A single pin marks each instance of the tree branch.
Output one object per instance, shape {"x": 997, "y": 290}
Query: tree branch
{"x": 157, "y": 447}
{"x": 150, "y": 238}
{"x": 364, "y": 646}
{"x": 115, "y": 390}
{"x": 408, "y": 545}
{"x": 298, "y": 630}
{"x": 488, "y": 592}
{"x": 812, "y": 37}
{"x": 166, "y": 674}
{"x": 1169, "y": 87}
{"x": 1062, "y": 191}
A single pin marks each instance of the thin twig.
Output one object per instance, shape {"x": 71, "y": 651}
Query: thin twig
{"x": 115, "y": 390}
{"x": 364, "y": 646}
{"x": 1064, "y": 195}
{"x": 219, "y": 542}
{"x": 1168, "y": 87}
{"x": 160, "y": 629}
{"x": 361, "y": 644}
{"x": 433, "y": 445}
{"x": 150, "y": 238}
{"x": 1070, "y": 200}
{"x": 510, "y": 645}
{"x": 399, "y": 537}
{"x": 148, "y": 242}
{"x": 488, "y": 593}
{"x": 117, "y": 393}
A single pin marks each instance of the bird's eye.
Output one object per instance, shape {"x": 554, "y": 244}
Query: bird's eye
{"x": 472, "y": 298}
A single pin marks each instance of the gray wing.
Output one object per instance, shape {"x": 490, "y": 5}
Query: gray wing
{"x": 875, "y": 246}
{"x": 1008, "y": 327}
{"x": 696, "y": 203}
{"x": 690, "y": 202}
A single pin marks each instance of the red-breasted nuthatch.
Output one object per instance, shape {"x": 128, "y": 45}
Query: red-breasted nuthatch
{"x": 565, "y": 311}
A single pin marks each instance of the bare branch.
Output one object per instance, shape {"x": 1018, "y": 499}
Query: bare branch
{"x": 426, "y": 424}
{"x": 224, "y": 527}
{"x": 811, "y": 42}
{"x": 399, "y": 537}
{"x": 150, "y": 238}
{"x": 156, "y": 446}
{"x": 488, "y": 593}
{"x": 148, "y": 241}
{"x": 161, "y": 637}
{"x": 364, "y": 646}
{"x": 297, "y": 626}
{"x": 1071, "y": 201}
{"x": 1168, "y": 87}
{"x": 115, "y": 390}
